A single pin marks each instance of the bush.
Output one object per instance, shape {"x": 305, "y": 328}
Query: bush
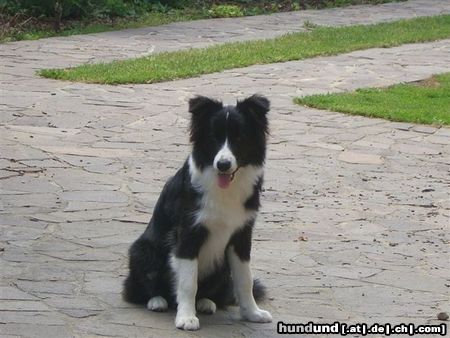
{"x": 225, "y": 11}
{"x": 78, "y": 9}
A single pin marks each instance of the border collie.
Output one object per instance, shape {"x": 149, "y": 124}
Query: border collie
{"x": 195, "y": 252}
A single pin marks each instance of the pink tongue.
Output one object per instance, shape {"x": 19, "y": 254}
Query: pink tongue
{"x": 224, "y": 181}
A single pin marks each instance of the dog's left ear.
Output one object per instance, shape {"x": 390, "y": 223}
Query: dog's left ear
{"x": 257, "y": 106}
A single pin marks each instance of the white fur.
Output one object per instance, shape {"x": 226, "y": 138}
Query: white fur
{"x": 243, "y": 286}
{"x": 206, "y": 306}
{"x": 158, "y": 304}
{"x": 186, "y": 272}
{"x": 225, "y": 153}
{"x": 221, "y": 211}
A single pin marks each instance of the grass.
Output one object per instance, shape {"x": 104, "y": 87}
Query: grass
{"x": 317, "y": 41}
{"x": 426, "y": 101}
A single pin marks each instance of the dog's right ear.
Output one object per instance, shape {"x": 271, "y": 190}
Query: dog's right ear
{"x": 199, "y": 107}
{"x": 203, "y": 104}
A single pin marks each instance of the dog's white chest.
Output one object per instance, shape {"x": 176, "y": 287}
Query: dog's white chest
{"x": 222, "y": 212}
{"x": 221, "y": 221}
{"x": 222, "y": 217}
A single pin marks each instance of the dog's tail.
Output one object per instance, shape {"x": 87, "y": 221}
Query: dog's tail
{"x": 259, "y": 290}
{"x": 229, "y": 297}
{"x": 133, "y": 292}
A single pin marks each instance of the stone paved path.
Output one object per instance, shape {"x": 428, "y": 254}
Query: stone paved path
{"x": 356, "y": 211}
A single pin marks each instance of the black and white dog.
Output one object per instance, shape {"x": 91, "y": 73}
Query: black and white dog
{"x": 195, "y": 252}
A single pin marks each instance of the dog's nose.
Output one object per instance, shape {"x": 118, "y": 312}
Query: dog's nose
{"x": 224, "y": 165}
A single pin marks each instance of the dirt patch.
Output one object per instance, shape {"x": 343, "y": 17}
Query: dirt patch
{"x": 431, "y": 82}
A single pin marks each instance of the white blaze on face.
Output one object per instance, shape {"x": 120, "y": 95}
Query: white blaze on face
{"x": 225, "y": 154}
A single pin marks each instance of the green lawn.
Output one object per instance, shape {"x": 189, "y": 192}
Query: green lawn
{"x": 426, "y": 101}
{"x": 297, "y": 46}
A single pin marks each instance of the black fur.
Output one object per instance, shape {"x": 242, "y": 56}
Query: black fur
{"x": 172, "y": 228}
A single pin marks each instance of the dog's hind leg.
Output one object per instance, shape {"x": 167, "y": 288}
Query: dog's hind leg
{"x": 157, "y": 304}
{"x": 206, "y": 306}
{"x": 145, "y": 280}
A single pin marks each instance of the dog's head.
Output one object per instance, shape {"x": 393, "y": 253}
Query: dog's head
{"x": 227, "y": 138}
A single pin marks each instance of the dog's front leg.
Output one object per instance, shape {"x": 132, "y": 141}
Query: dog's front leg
{"x": 185, "y": 267}
{"x": 186, "y": 271}
{"x": 243, "y": 286}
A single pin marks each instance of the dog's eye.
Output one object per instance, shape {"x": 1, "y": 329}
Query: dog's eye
{"x": 218, "y": 134}
{"x": 220, "y": 138}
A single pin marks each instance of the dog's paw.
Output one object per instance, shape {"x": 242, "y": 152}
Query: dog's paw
{"x": 190, "y": 323}
{"x": 257, "y": 316}
{"x": 206, "y": 306}
{"x": 158, "y": 304}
